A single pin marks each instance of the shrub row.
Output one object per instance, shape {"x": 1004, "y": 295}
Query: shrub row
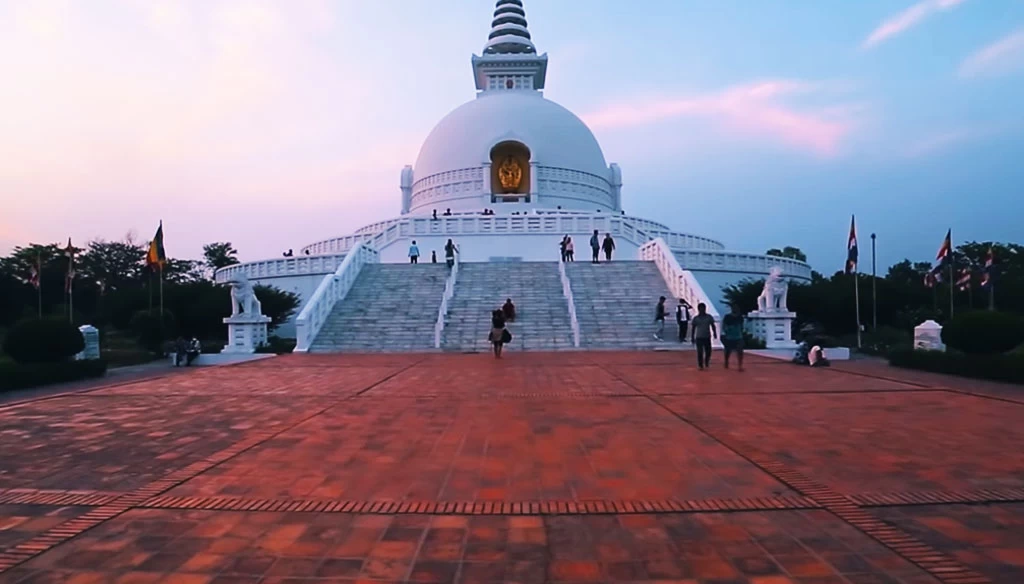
{"x": 23, "y": 375}
{"x": 1006, "y": 367}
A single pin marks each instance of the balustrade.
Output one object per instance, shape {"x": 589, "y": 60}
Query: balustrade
{"x": 331, "y": 290}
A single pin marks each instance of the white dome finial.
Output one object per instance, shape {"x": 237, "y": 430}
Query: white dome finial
{"x": 509, "y": 32}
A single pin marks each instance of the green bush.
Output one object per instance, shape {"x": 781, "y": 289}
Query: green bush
{"x": 24, "y": 375}
{"x": 752, "y": 342}
{"x": 984, "y": 332}
{"x": 277, "y": 345}
{"x": 46, "y": 340}
{"x": 149, "y": 332}
{"x": 1009, "y": 367}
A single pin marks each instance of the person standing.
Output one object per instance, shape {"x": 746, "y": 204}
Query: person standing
{"x": 570, "y": 250}
{"x": 659, "y": 318}
{"x": 433, "y": 256}
{"x": 414, "y": 253}
{"x": 702, "y": 331}
{"x": 499, "y": 334}
{"x": 562, "y": 246}
{"x": 449, "y": 253}
{"x": 683, "y": 319}
{"x": 595, "y": 248}
{"x": 732, "y": 335}
{"x": 608, "y": 245}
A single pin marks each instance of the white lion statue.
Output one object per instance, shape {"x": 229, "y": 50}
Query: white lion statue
{"x": 773, "y": 297}
{"x": 243, "y": 297}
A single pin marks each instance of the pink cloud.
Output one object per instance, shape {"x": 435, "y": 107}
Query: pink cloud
{"x": 752, "y": 109}
{"x": 1002, "y": 56}
{"x": 907, "y": 19}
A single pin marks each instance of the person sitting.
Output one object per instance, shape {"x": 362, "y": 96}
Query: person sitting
{"x": 447, "y": 212}
{"x": 195, "y": 348}
{"x": 509, "y": 310}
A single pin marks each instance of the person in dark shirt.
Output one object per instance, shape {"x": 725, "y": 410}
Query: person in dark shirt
{"x": 508, "y": 310}
{"x": 595, "y": 248}
{"x": 732, "y": 336}
{"x": 659, "y": 318}
{"x": 702, "y": 330}
{"x": 608, "y": 245}
{"x": 499, "y": 334}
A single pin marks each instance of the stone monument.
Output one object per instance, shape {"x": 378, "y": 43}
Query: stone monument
{"x": 772, "y": 322}
{"x": 928, "y": 336}
{"x": 247, "y": 326}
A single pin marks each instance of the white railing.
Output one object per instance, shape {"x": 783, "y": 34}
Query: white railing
{"x": 682, "y": 283}
{"x": 280, "y": 267}
{"x": 741, "y": 262}
{"x": 559, "y": 223}
{"x": 442, "y": 311}
{"x": 571, "y": 303}
{"x": 331, "y": 290}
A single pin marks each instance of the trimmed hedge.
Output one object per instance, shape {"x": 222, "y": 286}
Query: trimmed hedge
{"x": 1006, "y": 367}
{"x": 277, "y": 345}
{"x": 982, "y": 332}
{"x": 43, "y": 340}
{"x": 25, "y": 375}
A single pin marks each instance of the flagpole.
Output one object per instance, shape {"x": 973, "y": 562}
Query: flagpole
{"x": 951, "y": 287}
{"x": 39, "y": 281}
{"x": 874, "y": 290}
{"x": 856, "y": 296}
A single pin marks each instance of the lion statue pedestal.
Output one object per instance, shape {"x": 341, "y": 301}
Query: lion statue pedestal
{"x": 772, "y": 322}
{"x": 247, "y": 327}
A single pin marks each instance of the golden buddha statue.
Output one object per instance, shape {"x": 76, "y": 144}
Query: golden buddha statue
{"x": 510, "y": 173}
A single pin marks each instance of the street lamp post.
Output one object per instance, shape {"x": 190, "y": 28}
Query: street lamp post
{"x": 874, "y": 293}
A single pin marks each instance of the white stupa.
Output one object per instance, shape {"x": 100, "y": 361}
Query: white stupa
{"x": 534, "y": 166}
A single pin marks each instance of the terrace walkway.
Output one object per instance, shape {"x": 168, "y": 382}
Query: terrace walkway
{"x": 564, "y": 467}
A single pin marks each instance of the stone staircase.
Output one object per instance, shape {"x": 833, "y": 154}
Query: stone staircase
{"x": 542, "y": 318}
{"x": 391, "y": 308}
{"x": 615, "y": 305}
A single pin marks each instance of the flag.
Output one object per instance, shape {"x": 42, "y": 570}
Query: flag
{"x": 930, "y": 280}
{"x": 35, "y": 270}
{"x": 946, "y": 250}
{"x": 156, "y": 258}
{"x": 69, "y": 251}
{"x": 990, "y": 265}
{"x": 851, "y": 248}
{"x": 964, "y": 281}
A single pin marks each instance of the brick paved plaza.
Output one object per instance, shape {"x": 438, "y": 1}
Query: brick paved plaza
{"x": 570, "y": 467}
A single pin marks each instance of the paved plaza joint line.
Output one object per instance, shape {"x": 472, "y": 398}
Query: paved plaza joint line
{"x": 568, "y": 467}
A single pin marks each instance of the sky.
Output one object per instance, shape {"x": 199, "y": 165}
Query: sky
{"x": 274, "y": 124}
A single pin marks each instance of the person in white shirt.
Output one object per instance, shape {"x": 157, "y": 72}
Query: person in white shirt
{"x": 683, "y": 319}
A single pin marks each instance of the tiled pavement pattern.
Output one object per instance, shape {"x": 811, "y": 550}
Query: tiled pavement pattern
{"x": 568, "y": 467}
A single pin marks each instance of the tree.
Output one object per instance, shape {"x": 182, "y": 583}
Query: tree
{"x": 218, "y": 255}
{"x": 790, "y": 252}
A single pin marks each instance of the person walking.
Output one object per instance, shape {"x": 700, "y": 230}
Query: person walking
{"x": 433, "y": 256}
{"x": 683, "y": 319}
{"x": 595, "y": 248}
{"x": 499, "y": 334}
{"x": 702, "y": 330}
{"x": 570, "y": 250}
{"x": 608, "y": 245}
{"x": 732, "y": 336}
{"x": 659, "y": 318}
{"x": 450, "y": 249}
{"x": 414, "y": 253}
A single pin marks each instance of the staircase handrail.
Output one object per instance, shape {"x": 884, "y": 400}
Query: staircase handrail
{"x": 682, "y": 283}
{"x": 442, "y": 310}
{"x": 571, "y": 303}
{"x": 332, "y": 289}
